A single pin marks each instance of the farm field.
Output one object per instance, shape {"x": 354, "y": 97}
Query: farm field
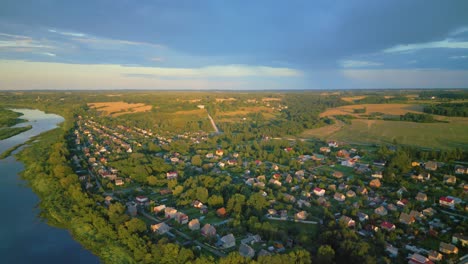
{"x": 391, "y": 109}
{"x": 236, "y": 115}
{"x": 119, "y": 108}
{"x": 437, "y": 135}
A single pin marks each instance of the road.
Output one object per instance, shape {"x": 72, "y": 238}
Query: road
{"x": 185, "y": 236}
{"x": 213, "y": 123}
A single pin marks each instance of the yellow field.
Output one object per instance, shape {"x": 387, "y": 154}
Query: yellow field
{"x": 119, "y": 108}
{"x": 391, "y": 109}
{"x": 351, "y": 99}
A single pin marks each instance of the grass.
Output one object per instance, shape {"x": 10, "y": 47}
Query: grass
{"x": 119, "y": 108}
{"x": 431, "y": 135}
{"x": 12, "y": 131}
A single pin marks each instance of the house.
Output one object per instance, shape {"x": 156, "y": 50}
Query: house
{"x": 418, "y": 259}
{"x": 429, "y": 211}
{"x": 403, "y": 202}
{"x": 380, "y": 163}
{"x": 301, "y": 203}
{"x": 333, "y": 144}
{"x": 361, "y": 190}
{"x": 392, "y": 207}
{"x": 250, "y": 239}
{"x": 448, "y": 248}
{"x": 362, "y": 216}
{"x": 460, "y": 238}
{"x": 141, "y": 199}
{"x": 209, "y": 155}
{"x": 319, "y": 191}
{"x": 338, "y": 174}
{"x": 289, "y": 198}
{"x": 348, "y": 163}
{"x": 348, "y": 221}
{"x": 415, "y": 164}
{"x": 392, "y": 251}
{"x": 461, "y": 170}
{"x": 172, "y": 175}
{"x": 434, "y": 255}
{"x": 343, "y": 186}
{"x": 422, "y": 197}
{"x": 221, "y": 212}
{"x": 160, "y": 228}
{"x": 208, "y": 230}
{"x": 194, "y": 224}
{"x": 272, "y": 211}
{"x": 246, "y": 251}
{"x": 159, "y": 208}
{"x": 219, "y": 152}
{"x": 288, "y": 178}
{"x": 350, "y": 194}
{"x": 197, "y": 204}
{"x": 381, "y": 211}
{"x": 431, "y": 165}
{"x": 332, "y": 187}
{"x": 325, "y": 149}
{"x": 228, "y": 241}
{"x": 375, "y": 183}
{"x": 339, "y": 197}
{"x": 284, "y": 214}
{"x": 447, "y": 202}
{"x": 387, "y": 226}
{"x": 170, "y": 212}
{"x": 406, "y": 219}
{"x": 342, "y": 153}
{"x": 119, "y": 182}
{"x": 416, "y": 214}
{"x": 275, "y": 182}
{"x": 174, "y": 159}
{"x": 450, "y": 179}
{"x": 302, "y": 215}
{"x": 132, "y": 208}
{"x": 377, "y": 174}
{"x": 181, "y": 218}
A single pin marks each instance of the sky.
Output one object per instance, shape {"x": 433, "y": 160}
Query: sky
{"x": 233, "y": 45}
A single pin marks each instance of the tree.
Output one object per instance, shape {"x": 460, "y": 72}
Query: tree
{"x": 235, "y": 204}
{"x": 325, "y": 254}
{"x": 135, "y": 225}
{"x": 257, "y": 201}
{"x": 117, "y": 214}
{"x": 196, "y": 160}
{"x": 202, "y": 194}
{"x": 216, "y": 201}
{"x": 152, "y": 180}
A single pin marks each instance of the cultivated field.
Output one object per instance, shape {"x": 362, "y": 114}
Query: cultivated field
{"x": 119, "y": 108}
{"x": 364, "y": 131}
{"x": 235, "y": 115}
{"x": 391, "y": 109}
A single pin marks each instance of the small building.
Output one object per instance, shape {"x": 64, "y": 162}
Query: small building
{"x": 429, "y": 211}
{"x": 170, "y": 212}
{"x": 348, "y": 221}
{"x": 246, "y": 251}
{"x": 221, "y": 212}
{"x": 422, "y": 197}
{"x": 375, "y": 183}
{"x": 159, "y": 208}
{"x": 418, "y": 259}
{"x": 319, "y": 191}
{"x": 377, "y": 174}
{"x": 208, "y": 230}
{"x": 119, "y": 182}
{"x": 132, "y": 208}
{"x": 406, "y": 219}
{"x": 450, "y": 179}
{"x": 194, "y": 224}
{"x": 447, "y": 202}
{"x": 338, "y": 174}
{"x": 381, "y": 210}
{"x": 362, "y": 216}
{"x": 160, "y": 228}
{"x": 142, "y": 199}
{"x": 392, "y": 251}
{"x": 460, "y": 238}
{"x": 228, "y": 241}
{"x": 302, "y": 215}
{"x": 434, "y": 255}
{"x": 172, "y": 175}
{"x": 181, "y": 218}
{"x": 448, "y": 248}
{"x": 387, "y": 226}
{"x": 362, "y": 190}
{"x": 431, "y": 165}
{"x": 339, "y": 197}
{"x": 350, "y": 194}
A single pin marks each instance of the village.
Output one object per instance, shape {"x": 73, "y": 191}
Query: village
{"x": 416, "y": 218}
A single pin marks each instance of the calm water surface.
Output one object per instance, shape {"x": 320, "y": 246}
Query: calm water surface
{"x": 24, "y": 238}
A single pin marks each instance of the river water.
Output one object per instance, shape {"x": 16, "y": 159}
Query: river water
{"x": 24, "y": 237}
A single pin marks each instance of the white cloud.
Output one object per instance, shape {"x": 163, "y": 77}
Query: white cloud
{"x": 459, "y": 31}
{"x": 359, "y": 64}
{"x": 461, "y": 57}
{"x": 50, "y": 54}
{"x": 65, "y": 33}
{"x": 447, "y": 44}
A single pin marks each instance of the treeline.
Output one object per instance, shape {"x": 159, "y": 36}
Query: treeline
{"x": 9, "y": 118}
{"x": 380, "y": 99}
{"x": 448, "y": 109}
{"x": 444, "y": 94}
{"x": 412, "y": 117}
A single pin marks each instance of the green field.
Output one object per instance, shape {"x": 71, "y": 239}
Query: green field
{"x": 433, "y": 135}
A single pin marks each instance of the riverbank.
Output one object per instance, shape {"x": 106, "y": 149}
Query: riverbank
{"x": 27, "y": 236}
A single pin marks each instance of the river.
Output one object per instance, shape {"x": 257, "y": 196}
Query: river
{"x": 24, "y": 237}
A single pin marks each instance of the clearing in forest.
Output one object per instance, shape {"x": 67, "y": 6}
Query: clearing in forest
{"x": 389, "y": 109}
{"x": 119, "y": 108}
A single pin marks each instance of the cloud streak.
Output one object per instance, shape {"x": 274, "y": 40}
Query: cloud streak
{"x": 359, "y": 64}
{"x": 445, "y": 44}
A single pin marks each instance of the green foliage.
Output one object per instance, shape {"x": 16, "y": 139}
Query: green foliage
{"x": 448, "y": 109}
{"x": 11, "y": 131}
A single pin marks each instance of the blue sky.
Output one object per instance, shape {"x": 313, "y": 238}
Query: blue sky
{"x": 234, "y": 45}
